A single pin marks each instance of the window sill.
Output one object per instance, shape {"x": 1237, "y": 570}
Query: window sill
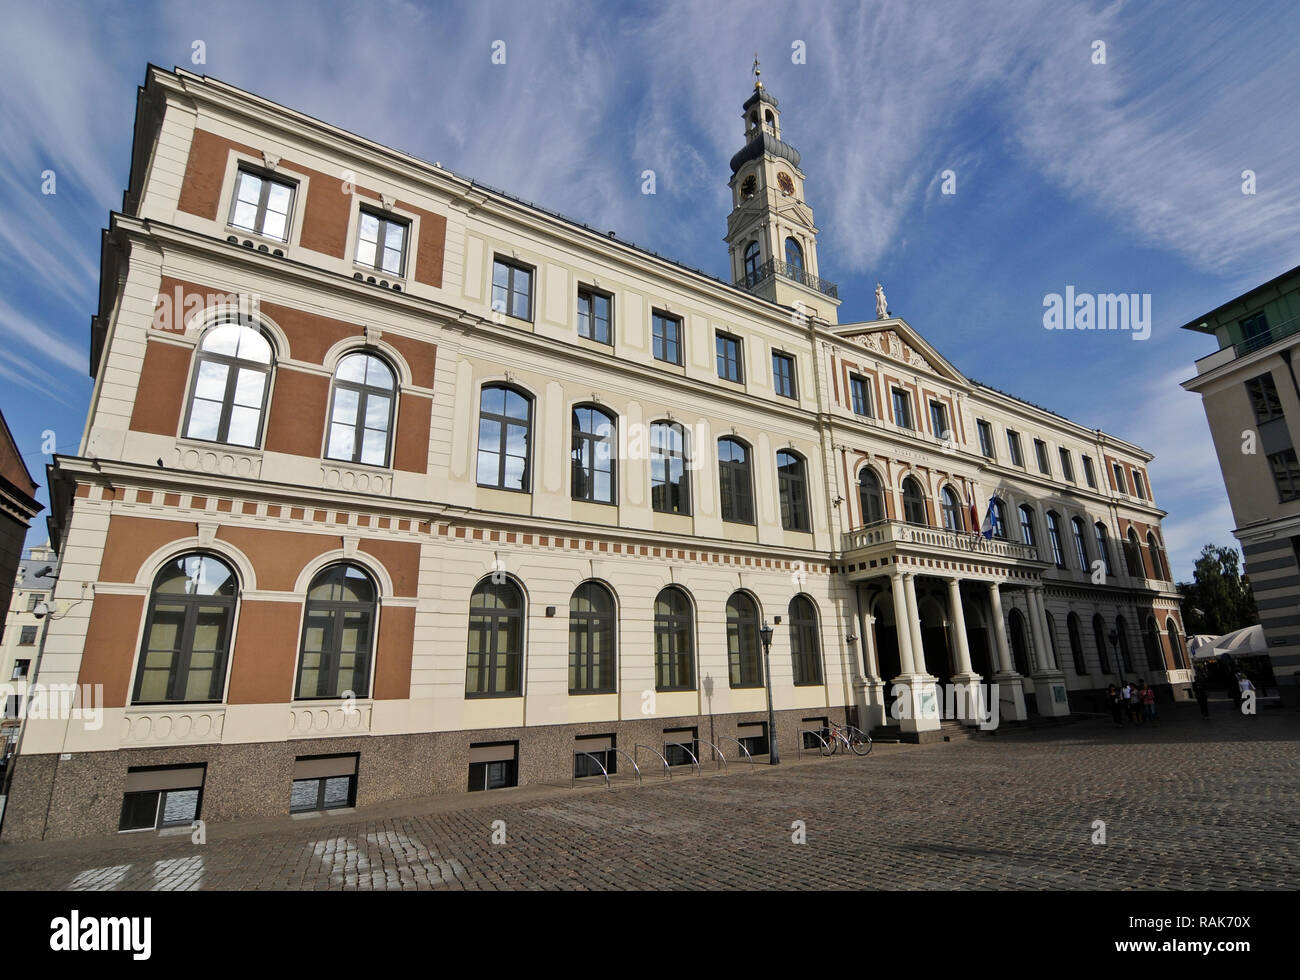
{"x": 368, "y": 271}
{"x": 257, "y": 238}
{"x": 490, "y": 696}
{"x": 192, "y": 443}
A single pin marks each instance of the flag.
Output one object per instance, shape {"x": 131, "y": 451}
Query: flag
{"x": 974, "y": 515}
{"x": 987, "y": 527}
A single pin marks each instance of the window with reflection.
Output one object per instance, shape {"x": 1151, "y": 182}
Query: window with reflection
{"x": 381, "y": 243}
{"x": 504, "y": 438}
{"x": 591, "y": 640}
{"x": 1103, "y": 546}
{"x": 1076, "y": 644}
{"x": 1080, "y": 542}
{"x": 753, "y": 263}
{"x": 951, "y": 510}
{"x": 1027, "y": 534}
{"x": 674, "y": 641}
{"x": 1176, "y": 644}
{"x": 337, "y": 634}
{"x": 496, "y": 639}
{"x": 793, "y": 255}
{"x": 361, "y": 410}
{"x": 744, "y": 647}
{"x": 805, "y": 641}
{"x": 1126, "y": 657}
{"x": 998, "y": 512}
{"x": 1100, "y": 639}
{"x": 735, "y": 482}
{"x": 261, "y": 205}
{"x": 871, "y": 496}
{"x": 231, "y": 379}
{"x": 187, "y": 632}
{"x": 913, "y": 502}
{"x": 792, "y": 484}
{"x": 593, "y": 455}
{"x": 1054, "y": 536}
{"x": 670, "y": 486}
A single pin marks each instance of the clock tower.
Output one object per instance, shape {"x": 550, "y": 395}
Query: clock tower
{"x": 770, "y": 231}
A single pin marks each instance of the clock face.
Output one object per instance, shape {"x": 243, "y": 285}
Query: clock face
{"x": 785, "y": 183}
{"x": 749, "y": 186}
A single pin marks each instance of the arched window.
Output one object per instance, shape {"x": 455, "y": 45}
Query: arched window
{"x": 998, "y": 511}
{"x": 1027, "y": 533}
{"x": 338, "y": 629}
{"x": 1051, "y": 640}
{"x": 913, "y": 503}
{"x": 1076, "y": 644}
{"x": 753, "y": 262}
{"x": 1176, "y": 644}
{"x": 1151, "y": 645}
{"x": 1103, "y": 546}
{"x": 805, "y": 641}
{"x": 594, "y": 469}
{"x": 1159, "y": 568}
{"x": 1133, "y": 554}
{"x": 361, "y": 411}
{"x": 792, "y": 484}
{"x": 670, "y": 478}
{"x": 744, "y": 653}
{"x": 1099, "y": 637}
{"x": 870, "y": 496}
{"x": 187, "y": 632}
{"x": 591, "y": 640}
{"x": 951, "y": 510}
{"x": 793, "y": 255}
{"x": 496, "y": 639}
{"x": 1019, "y": 642}
{"x": 505, "y": 422}
{"x": 735, "y": 482}
{"x": 1125, "y": 656}
{"x": 1054, "y": 536}
{"x": 674, "y": 641}
{"x": 231, "y": 380}
{"x": 1080, "y": 542}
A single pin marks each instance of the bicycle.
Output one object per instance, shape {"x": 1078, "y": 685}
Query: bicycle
{"x": 848, "y": 736}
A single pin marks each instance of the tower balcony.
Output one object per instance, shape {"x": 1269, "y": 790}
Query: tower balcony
{"x": 776, "y": 268}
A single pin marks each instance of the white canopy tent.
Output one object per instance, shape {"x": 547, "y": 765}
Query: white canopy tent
{"x": 1242, "y": 642}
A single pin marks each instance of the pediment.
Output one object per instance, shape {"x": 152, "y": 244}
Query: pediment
{"x": 896, "y": 340}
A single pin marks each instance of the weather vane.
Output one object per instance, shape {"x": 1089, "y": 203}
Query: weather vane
{"x": 758, "y": 82}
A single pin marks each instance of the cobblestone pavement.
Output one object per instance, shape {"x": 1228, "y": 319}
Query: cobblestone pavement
{"x": 1186, "y": 804}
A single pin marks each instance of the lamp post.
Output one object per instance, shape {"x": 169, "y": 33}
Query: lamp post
{"x": 1119, "y": 663}
{"x": 773, "y": 755}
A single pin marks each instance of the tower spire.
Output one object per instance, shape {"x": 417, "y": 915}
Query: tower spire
{"x": 758, "y": 80}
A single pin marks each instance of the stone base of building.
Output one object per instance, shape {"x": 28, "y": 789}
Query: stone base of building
{"x": 55, "y": 798}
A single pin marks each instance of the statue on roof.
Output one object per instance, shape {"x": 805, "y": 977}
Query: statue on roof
{"x": 882, "y": 309}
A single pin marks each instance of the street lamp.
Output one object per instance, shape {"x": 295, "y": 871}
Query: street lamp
{"x": 1119, "y": 663}
{"x": 773, "y": 755}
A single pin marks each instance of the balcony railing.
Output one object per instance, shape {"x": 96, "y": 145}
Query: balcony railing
{"x": 795, "y": 273}
{"x": 884, "y": 533}
{"x": 1261, "y": 340}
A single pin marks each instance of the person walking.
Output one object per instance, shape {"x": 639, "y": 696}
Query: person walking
{"x": 1135, "y": 702}
{"x": 1247, "y": 687}
{"x": 1148, "y": 701}
{"x": 1116, "y": 706}
{"x": 1202, "y": 697}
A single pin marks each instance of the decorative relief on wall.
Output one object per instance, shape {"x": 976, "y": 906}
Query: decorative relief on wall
{"x": 221, "y": 461}
{"x": 364, "y": 481}
{"x": 165, "y": 727}
{"x": 888, "y": 343}
{"x": 334, "y": 720}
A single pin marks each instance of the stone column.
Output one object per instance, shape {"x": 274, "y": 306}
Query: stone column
{"x": 1049, "y": 685}
{"x": 901, "y": 625}
{"x": 1008, "y": 697}
{"x": 870, "y": 701}
{"x": 916, "y": 707}
{"x": 968, "y": 700}
{"x": 914, "y": 624}
{"x": 1038, "y": 631}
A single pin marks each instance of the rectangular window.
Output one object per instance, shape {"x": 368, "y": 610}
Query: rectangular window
{"x": 20, "y": 669}
{"x": 666, "y": 338}
{"x": 753, "y": 736}
{"x": 902, "y": 408}
{"x": 729, "y": 363}
{"x": 27, "y": 637}
{"x": 32, "y": 600}
{"x": 323, "y": 782}
{"x": 590, "y": 752}
{"x": 677, "y": 741}
{"x": 860, "y": 394}
{"x": 1286, "y": 474}
{"x": 161, "y": 796}
{"x": 512, "y": 289}
{"x": 11, "y": 706}
{"x": 939, "y": 420}
{"x": 986, "y": 438}
{"x": 1118, "y": 471}
{"x": 1013, "y": 446}
{"x": 1067, "y": 465}
{"x": 593, "y": 316}
{"x": 816, "y": 731}
{"x": 1254, "y": 330}
{"x": 1264, "y": 401}
{"x": 381, "y": 243}
{"x": 1088, "y": 473}
{"x": 1139, "y": 487}
{"x": 783, "y": 375}
{"x": 1040, "y": 450}
{"x": 262, "y": 205}
{"x": 493, "y": 765}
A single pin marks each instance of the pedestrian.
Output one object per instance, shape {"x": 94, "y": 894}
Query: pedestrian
{"x": 1246, "y": 690}
{"x": 1149, "y": 701}
{"x": 1116, "y": 706}
{"x": 1135, "y": 702}
{"x": 1202, "y": 697}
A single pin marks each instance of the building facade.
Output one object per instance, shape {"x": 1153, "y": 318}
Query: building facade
{"x": 1251, "y": 398}
{"x": 20, "y": 643}
{"x": 394, "y": 485}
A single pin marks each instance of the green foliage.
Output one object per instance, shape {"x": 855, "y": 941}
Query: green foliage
{"x": 1219, "y": 600}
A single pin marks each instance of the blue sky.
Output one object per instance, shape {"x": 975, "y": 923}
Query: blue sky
{"x": 1122, "y": 177}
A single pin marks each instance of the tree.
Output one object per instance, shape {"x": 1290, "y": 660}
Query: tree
{"x": 1219, "y": 600}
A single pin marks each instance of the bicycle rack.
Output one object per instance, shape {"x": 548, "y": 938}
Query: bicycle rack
{"x": 717, "y": 751}
{"x": 667, "y": 768}
{"x": 635, "y": 768}
{"x": 573, "y": 780}
{"x": 694, "y": 761}
{"x": 815, "y": 734}
{"x": 742, "y": 747}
